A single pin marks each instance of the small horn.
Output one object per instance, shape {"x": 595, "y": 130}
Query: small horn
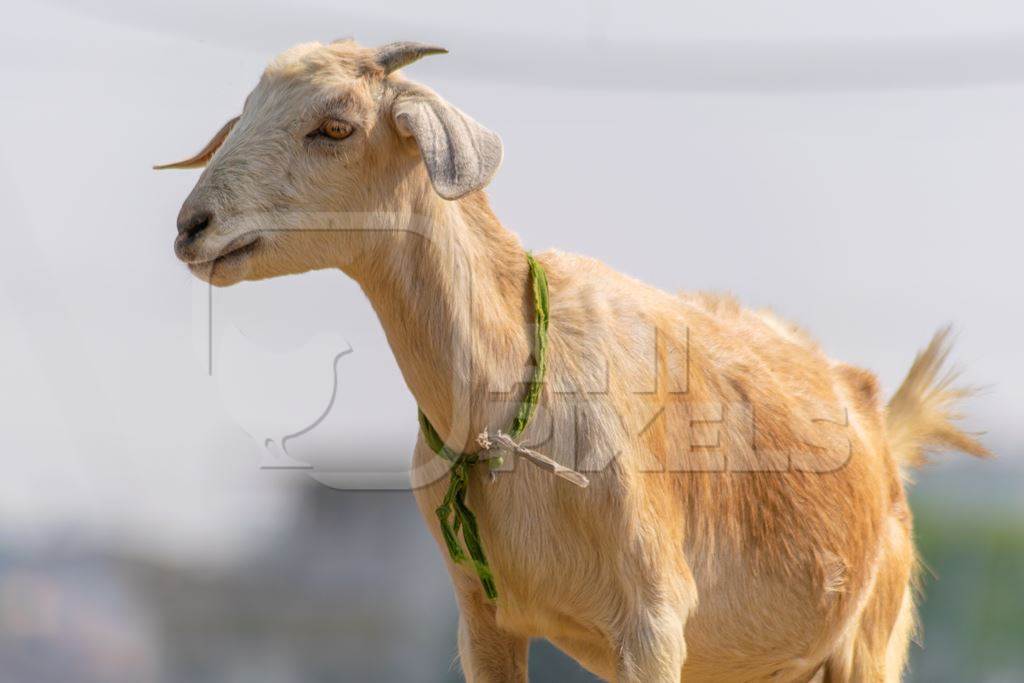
{"x": 394, "y": 56}
{"x": 205, "y": 154}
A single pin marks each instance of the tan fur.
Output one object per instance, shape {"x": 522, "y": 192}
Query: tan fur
{"x": 922, "y": 410}
{"x": 745, "y": 518}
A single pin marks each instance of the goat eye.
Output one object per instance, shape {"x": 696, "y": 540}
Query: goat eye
{"x": 335, "y": 129}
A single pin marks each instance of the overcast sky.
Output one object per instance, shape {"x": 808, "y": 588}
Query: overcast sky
{"x": 857, "y": 167}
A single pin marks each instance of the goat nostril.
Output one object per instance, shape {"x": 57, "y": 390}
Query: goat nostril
{"x": 195, "y": 223}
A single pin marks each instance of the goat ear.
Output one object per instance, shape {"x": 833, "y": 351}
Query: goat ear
{"x": 204, "y": 155}
{"x": 461, "y": 156}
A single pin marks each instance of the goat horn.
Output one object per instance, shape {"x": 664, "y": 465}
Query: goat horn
{"x": 394, "y": 56}
{"x": 206, "y": 153}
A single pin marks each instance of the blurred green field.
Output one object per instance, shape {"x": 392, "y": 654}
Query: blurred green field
{"x": 972, "y": 607}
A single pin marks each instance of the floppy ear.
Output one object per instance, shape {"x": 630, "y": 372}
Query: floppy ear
{"x": 205, "y": 153}
{"x": 460, "y": 155}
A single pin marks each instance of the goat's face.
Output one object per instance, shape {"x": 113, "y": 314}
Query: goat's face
{"x": 328, "y": 149}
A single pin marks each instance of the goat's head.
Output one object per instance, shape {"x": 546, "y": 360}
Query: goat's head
{"x": 329, "y": 144}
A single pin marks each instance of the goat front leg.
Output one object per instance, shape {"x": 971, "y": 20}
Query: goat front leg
{"x": 651, "y": 647}
{"x": 488, "y": 653}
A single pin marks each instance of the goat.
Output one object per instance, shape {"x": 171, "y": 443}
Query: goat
{"x": 746, "y": 518}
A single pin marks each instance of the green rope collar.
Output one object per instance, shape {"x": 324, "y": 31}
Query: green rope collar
{"x": 453, "y": 513}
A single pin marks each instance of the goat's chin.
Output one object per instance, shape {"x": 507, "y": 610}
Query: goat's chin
{"x": 215, "y": 276}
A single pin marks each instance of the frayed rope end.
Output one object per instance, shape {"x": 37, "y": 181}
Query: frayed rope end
{"x": 489, "y": 443}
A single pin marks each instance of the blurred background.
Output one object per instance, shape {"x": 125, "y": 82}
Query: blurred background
{"x": 855, "y": 166}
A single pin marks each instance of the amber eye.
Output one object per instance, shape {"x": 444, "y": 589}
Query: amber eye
{"x": 335, "y": 129}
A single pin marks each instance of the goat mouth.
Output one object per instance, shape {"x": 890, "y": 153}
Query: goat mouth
{"x": 233, "y": 252}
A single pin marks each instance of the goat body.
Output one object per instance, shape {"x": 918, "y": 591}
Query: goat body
{"x": 745, "y": 519}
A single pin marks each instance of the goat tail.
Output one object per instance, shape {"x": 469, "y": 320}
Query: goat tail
{"x": 921, "y": 413}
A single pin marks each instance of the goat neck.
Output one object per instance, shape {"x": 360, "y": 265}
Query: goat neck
{"x": 451, "y": 288}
